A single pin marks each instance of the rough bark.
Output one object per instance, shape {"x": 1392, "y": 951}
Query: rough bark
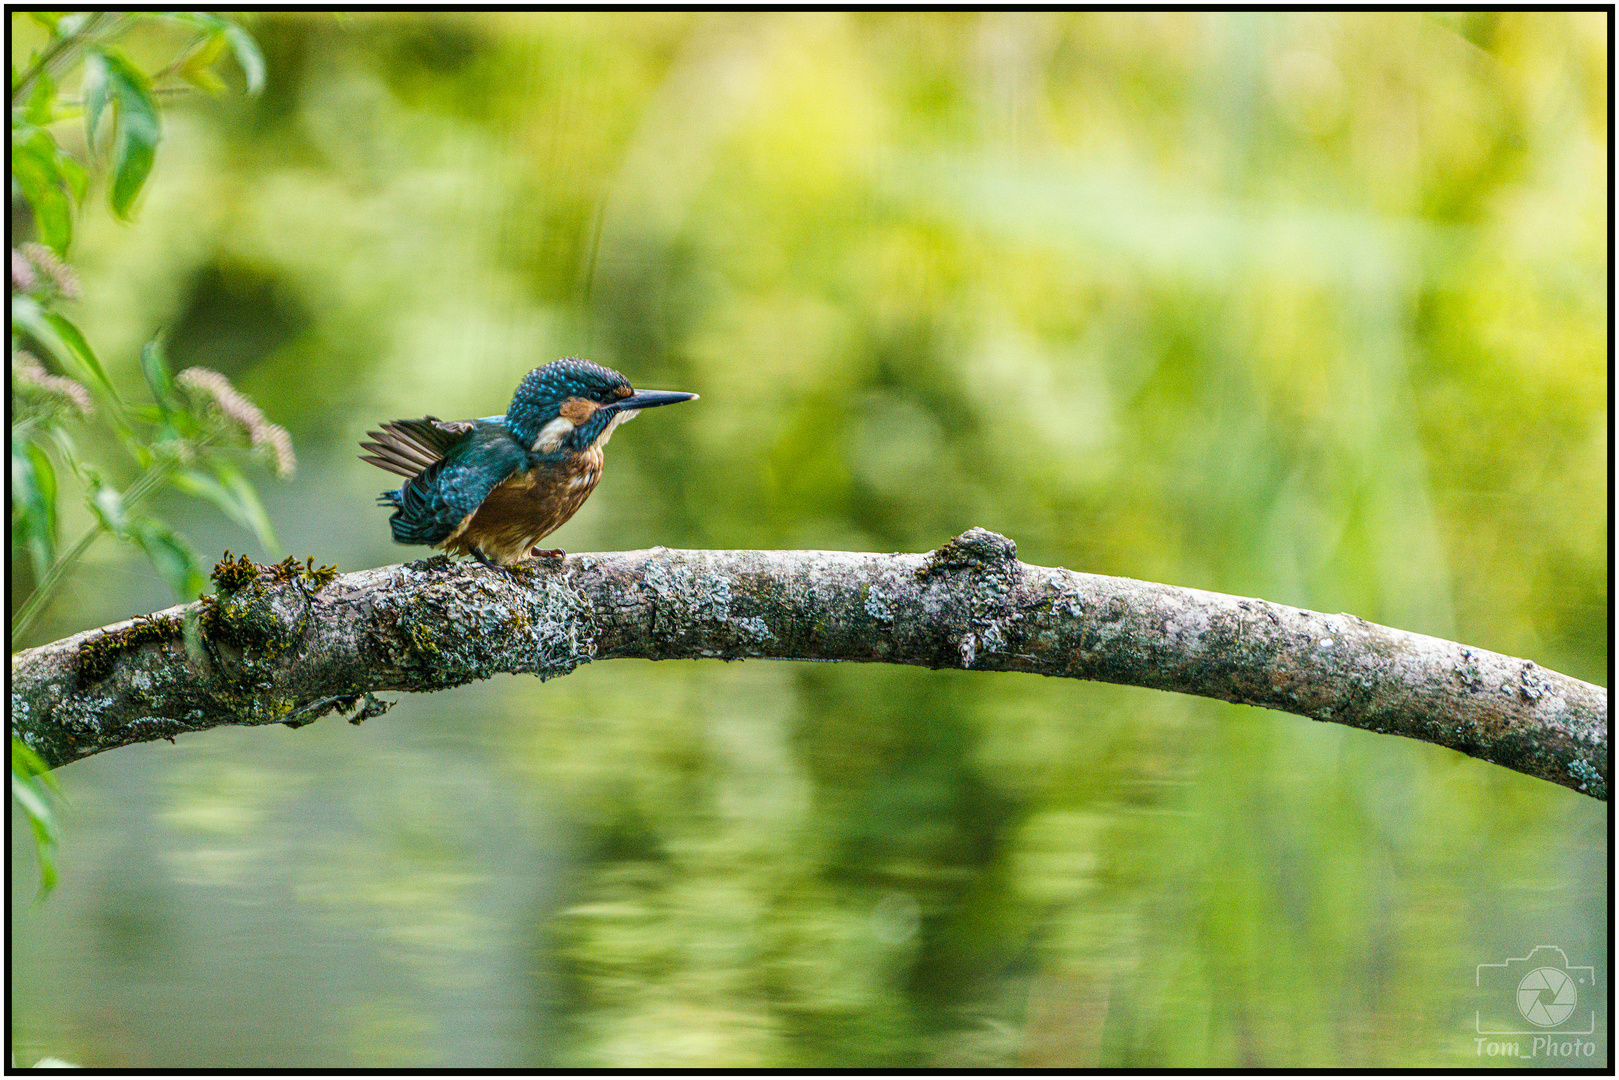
{"x": 280, "y": 646}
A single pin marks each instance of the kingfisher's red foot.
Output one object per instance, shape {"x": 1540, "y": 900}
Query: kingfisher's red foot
{"x": 552, "y": 553}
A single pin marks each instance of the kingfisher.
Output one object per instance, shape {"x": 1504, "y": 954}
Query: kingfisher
{"x": 494, "y": 487}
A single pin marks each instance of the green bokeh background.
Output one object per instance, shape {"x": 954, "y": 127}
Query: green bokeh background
{"x": 1310, "y": 307}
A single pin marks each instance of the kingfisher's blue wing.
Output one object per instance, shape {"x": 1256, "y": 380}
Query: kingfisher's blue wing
{"x": 406, "y": 447}
{"x": 470, "y": 464}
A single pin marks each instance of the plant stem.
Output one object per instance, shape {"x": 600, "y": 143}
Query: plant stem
{"x": 159, "y": 91}
{"x": 35, "y": 604}
{"x": 185, "y": 54}
{"x": 59, "y": 54}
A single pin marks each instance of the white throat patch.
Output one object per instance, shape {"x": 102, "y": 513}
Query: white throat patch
{"x": 551, "y": 435}
{"x": 618, "y": 418}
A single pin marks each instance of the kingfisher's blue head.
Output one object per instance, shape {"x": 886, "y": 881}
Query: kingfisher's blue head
{"x": 572, "y": 405}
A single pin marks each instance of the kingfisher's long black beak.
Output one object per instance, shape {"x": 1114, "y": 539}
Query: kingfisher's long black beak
{"x": 647, "y": 399}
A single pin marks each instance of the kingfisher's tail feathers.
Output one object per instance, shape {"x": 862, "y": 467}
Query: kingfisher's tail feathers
{"x": 414, "y": 522}
{"x": 413, "y": 532}
{"x": 423, "y": 515}
{"x": 407, "y": 447}
{"x": 405, "y": 530}
{"x": 408, "y": 523}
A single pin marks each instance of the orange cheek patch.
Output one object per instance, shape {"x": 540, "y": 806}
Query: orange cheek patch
{"x": 577, "y": 410}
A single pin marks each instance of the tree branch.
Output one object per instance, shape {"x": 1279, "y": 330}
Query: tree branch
{"x": 283, "y": 646}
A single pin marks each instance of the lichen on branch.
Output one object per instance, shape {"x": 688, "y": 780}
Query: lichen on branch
{"x": 288, "y": 643}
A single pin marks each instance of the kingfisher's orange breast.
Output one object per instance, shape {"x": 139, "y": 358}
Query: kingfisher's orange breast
{"x": 528, "y": 507}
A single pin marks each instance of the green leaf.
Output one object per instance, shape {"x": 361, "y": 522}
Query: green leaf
{"x": 80, "y": 349}
{"x": 139, "y": 127}
{"x": 203, "y": 79}
{"x": 43, "y": 822}
{"x": 258, "y": 519}
{"x": 241, "y": 43}
{"x": 34, "y": 788}
{"x": 65, "y": 446}
{"x": 33, "y": 504}
{"x": 155, "y": 366}
{"x": 47, "y": 19}
{"x": 45, "y": 483}
{"x": 27, "y": 315}
{"x": 30, "y": 765}
{"x": 234, "y": 495}
{"x": 60, "y": 338}
{"x": 94, "y": 91}
{"x": 34, "y": 165}
{"x": 77, "y": 177}
{"x": 206, "y": 51}
{"x": 41, "y": 101}
{"x": 198, "y": 62}
{"x": 247, "y": 55}
{"x": 199, "y": 485}
{"x": 47, "y": 476}
{"x": 172, "y": 557}
{"x": 30, "y": 799}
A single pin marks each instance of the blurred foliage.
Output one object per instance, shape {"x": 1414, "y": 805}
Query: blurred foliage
{"x": 37, "y": 791}
{"x": 1305, "y": 306}
{"x": 170, "y": 442}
